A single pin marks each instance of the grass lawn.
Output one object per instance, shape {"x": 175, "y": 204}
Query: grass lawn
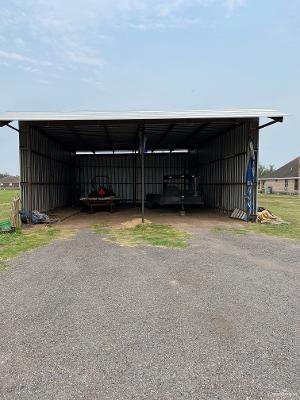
{"x": 284, "y": 206}
{"x": 145, "y": 234}
{"x": 13, "y": 244}
{"x": 5, "y": 199}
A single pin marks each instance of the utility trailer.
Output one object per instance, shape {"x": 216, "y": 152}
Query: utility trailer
{"x": 180, "y": 190}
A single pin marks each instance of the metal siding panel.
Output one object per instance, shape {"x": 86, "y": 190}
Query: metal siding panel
{"x": 223, "y": 167}
{"x": 125, "y": 175}
{"x": 50, "y": 172}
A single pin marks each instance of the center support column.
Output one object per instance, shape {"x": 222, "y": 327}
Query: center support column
{"x": 142, "y": 153}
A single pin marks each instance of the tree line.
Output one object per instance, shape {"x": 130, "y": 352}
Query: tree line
{"x": 264, "y": 171}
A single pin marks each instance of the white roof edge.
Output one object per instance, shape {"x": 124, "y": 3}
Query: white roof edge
{"x": 132, "y": 115}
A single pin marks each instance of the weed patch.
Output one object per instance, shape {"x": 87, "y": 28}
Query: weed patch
{"x": 14, "y": 244}
{"x": 158, "y": 235}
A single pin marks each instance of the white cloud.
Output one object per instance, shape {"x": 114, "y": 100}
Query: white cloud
{"x": 233, "y": 4}
{"x": 72, "y": 16}
{"x": 91, "y": 81}
{"x": 4, "y": 63}
{"x": 20, "y": 42}
{"x": 70, "y": 32}
{"x": 21, "y": 58}
{"x": 104, "y": 37}
{"x": 43, "y": 81}
{"x": 28, "y": 68}
{"x": 80, "y": 58}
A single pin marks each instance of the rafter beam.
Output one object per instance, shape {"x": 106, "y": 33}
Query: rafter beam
{"x": 166, "y": 133}
{"x": 44, "y": 133}
{"x": 223, "y": 132}
{"x": 82, "y": 140}
{"x": 4, "y": 123}
{"x": 137, "y": 136}
{"x": 194, "y": 133}
{"x": 108, "y": 136}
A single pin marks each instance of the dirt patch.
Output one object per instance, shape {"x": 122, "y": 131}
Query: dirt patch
{"x": 194, "y": 220}
{"x": 134, "y": 222}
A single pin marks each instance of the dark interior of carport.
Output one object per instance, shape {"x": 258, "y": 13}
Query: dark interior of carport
{"x": 60, "y": 157}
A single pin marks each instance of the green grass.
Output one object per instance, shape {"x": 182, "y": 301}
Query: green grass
{"x": 145, "y": 234}
{"x": 284, "y": 206}
{"x": 102, "y": 228}
{"x": 14, "y": 244}
{"x": 5, "y": 199}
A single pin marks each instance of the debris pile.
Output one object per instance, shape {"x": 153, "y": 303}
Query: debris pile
{"x": 35, "y": 217}
{"x": 262, "y": 216}
{"x": 239, "y": 214}
{"x": 265, "y": 216}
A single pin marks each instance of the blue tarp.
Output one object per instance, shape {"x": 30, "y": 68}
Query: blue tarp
{"x": 36, "y": 217}
{"x": 250, "y": 179}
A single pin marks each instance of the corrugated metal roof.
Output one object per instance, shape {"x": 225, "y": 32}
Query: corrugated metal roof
{"x": 124, "y": 135}
{"x": 139, "y": 115}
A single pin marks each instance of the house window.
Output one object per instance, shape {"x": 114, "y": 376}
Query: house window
{"x": 296, "y": 186}
{"x": 10, "y": 184}
{"x": 286, "y": 184}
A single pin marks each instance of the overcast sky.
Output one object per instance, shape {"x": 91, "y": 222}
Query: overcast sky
{"x": 66, "y": 55}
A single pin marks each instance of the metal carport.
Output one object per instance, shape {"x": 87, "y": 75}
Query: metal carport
{"x": 59, "y": 152}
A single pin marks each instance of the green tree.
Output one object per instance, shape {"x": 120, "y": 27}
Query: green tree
{"x": 264, "y": 172}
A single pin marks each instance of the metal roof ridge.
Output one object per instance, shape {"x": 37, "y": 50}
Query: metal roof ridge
{"x": 146, "y": 114}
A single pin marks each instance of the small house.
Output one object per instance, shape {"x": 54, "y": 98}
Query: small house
{"x": 10, "y": 182}
{"x": 284, "y": 180}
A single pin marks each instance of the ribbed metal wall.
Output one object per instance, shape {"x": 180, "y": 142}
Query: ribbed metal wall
{"x": 222, "y": 165}
{"x": 46, "y": 171}
{"x": 51, "y": 177}
{"x": 124, "y": 171}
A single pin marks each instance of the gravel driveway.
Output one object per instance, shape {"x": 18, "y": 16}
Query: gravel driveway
{"x": 86, "y": 319}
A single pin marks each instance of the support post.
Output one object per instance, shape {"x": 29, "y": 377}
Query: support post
{"x": 143, "y": 187}
{"x": 29, "y": 174}
{"x": 142, "y": 153}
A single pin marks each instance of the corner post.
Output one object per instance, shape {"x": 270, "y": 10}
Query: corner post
{"x": 29, "y": 173}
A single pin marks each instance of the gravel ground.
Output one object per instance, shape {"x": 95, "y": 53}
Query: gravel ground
{"x": 86, "y": 319}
